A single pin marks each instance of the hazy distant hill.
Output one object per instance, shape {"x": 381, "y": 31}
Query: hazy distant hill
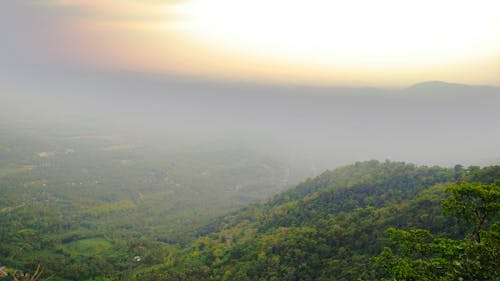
{"x": 444, "y": 87}
{"x": 427, "y": 123}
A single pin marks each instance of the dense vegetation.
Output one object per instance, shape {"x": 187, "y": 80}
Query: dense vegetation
{"x": 421, "y": 256}
{"x": 332, "y": 227}
{"x": 84, "y": 204}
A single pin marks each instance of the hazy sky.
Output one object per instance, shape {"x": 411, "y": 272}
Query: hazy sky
{"x": 190, "y": 67}
{"x": 356, "y": 42}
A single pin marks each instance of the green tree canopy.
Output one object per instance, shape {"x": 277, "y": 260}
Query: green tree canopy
{"x": 419, "y": 255}
{"x": 474, "y": 204}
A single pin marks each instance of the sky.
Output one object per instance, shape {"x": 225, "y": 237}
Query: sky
{"x": 335, "y": 81}
{"x": 351, "y": 43}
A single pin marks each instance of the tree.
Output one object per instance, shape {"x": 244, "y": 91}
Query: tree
{"x": 20, "y": 276}
{"x": 418, "y": 255}
{"x": 473, "y": 204}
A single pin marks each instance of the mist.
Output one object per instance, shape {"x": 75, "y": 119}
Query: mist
{"x": 432, "y": 123}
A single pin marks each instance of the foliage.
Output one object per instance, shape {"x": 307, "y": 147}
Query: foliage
{"x": 84, "y": 204}
{"x": 420, "y": 256}
{"x": 326, "y": 228}
{"x": 474, "y": 204}
{"x": 21, "y": 276}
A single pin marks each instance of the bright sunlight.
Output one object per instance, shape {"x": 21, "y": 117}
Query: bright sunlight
{"x": 354, "y": 33}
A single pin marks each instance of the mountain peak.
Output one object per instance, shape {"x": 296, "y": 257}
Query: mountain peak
{"x": 436, "y": 84}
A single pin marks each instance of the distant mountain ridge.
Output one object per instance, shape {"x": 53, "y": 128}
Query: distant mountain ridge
{"x": 441, "y": 86}
{"x": 330, "y": 125}
{"x": 437, "y": 83}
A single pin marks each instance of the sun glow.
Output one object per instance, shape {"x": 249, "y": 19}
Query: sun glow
{"x": 355, "y": 33}
{"x": 354, "y": 42}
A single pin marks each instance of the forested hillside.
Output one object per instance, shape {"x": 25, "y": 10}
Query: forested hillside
{"x": 327, "y": 228}
{"x": 332, "y": 227}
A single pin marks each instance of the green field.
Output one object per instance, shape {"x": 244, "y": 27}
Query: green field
{"x": 91, "y": 246}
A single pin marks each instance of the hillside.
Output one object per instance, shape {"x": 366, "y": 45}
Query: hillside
{"x": 330, "y": 227}
{"x": 327, "y": 228}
